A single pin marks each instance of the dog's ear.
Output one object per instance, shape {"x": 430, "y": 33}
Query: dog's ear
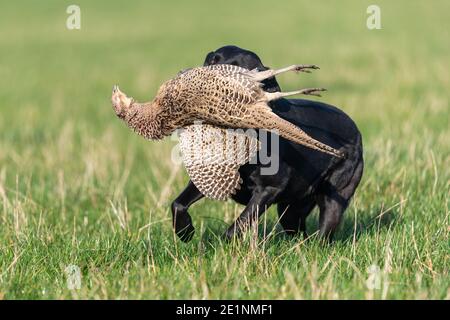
{"x": 211, "y": 58}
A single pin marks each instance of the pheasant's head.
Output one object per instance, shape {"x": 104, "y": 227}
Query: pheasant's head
{"x": 120, "y": 102}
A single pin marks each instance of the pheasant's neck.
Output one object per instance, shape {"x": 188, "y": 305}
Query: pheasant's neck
{"x": 148, "y": 120}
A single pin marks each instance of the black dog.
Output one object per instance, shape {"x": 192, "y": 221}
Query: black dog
{"x": 305, "y": 178}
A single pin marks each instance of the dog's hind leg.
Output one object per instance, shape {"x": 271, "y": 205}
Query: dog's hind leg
{"x": 259, "y": 76}
{"x": 292, "y": 216}
{"x": 334, "y": 200}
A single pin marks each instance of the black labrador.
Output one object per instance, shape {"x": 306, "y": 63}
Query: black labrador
{"x": 305, "y": 177}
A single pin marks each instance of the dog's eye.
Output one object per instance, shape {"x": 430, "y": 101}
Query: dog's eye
{"x": 214, "y": 60}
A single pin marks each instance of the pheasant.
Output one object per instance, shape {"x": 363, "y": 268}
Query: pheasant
{"x": 222, "y": 96}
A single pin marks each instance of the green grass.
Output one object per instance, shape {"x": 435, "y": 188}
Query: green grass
{"x": 79, "y": 188}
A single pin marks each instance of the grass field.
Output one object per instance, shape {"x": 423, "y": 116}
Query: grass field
{"x": 79, "y": 188}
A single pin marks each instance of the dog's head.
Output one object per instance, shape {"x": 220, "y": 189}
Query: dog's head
{"x": 243, "y": 58}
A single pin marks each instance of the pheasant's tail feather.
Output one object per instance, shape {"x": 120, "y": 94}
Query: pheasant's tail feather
{"x": 266, "y": 119}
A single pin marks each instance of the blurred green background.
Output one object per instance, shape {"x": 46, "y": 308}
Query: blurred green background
{"x": 78, "y": 187}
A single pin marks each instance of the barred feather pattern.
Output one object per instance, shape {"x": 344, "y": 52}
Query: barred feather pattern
{"x": 212, "y": 157}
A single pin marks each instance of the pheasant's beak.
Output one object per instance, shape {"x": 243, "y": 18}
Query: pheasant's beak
{"x": 116, "y": 91}
{"x": 115, "y": 98}
{"x": 120, "y": 97}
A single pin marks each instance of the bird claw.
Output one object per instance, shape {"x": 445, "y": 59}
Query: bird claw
{"x": 314, "y": 91}
{"x": 305, "y": 68}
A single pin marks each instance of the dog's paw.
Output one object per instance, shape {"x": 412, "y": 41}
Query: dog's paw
{"x": 184, "y": 228}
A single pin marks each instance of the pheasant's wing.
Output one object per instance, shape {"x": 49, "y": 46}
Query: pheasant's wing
{"x": 215, "y": 181}
{"x": 227, "y": 68}
{"x": 212, "y": 157}
{"x": 238, "y": 76}
{"x": 222, "y": 81}
{"x": 219, "y": 95}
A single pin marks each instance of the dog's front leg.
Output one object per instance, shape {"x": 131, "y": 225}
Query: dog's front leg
{"x": 261, "y": 200}
{"x": 181, "y": 219}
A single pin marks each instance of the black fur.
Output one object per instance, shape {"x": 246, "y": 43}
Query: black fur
{"x": 305, "y": 178}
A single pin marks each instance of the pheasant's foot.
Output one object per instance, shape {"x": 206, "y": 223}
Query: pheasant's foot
{"x": 305, "y": 68}
{"x": 313, "y": 91}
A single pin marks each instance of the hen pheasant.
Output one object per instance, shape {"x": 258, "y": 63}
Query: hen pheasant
{"x": 222, "y": 96}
